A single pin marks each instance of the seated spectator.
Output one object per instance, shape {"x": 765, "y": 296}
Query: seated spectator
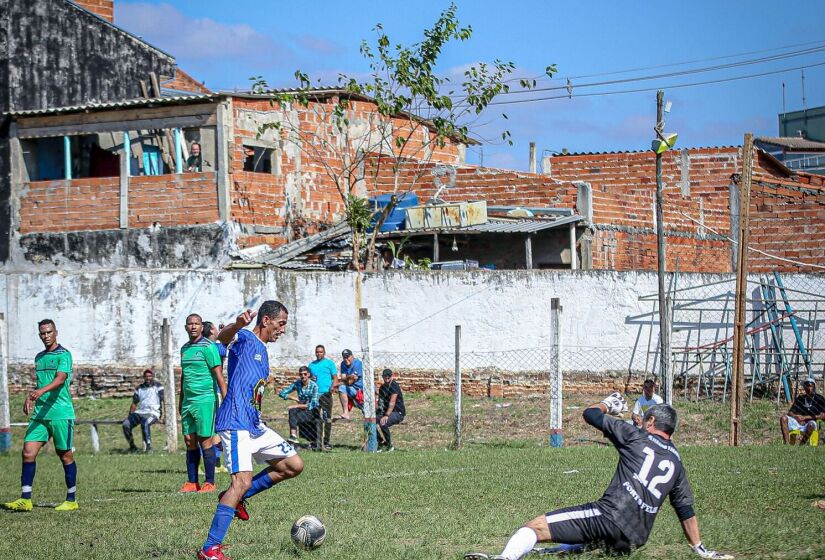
{"x": 351, "y": 388}
{"x": 302, "y": 416}
{"x": 146, "y": 409}
{"x": 391, "y": 410}
{"x": 801, "y": 420}
{"x": 649, "y": 398}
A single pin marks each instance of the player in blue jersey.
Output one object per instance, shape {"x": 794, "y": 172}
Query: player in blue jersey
{"x": 244, "y": 435}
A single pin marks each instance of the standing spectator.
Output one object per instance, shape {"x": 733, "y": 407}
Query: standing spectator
{"x": 648, "y": 399}
{"x": 146, "y": 409}
{"x": 391, "y": 410}
{"x": 324, "y": 371}
{"x": 50, "y": 405}
{"x": 200, "y": 373}
{"x": 806, "y": 409}
{"x": 302, "y": 415}
{"x": 210, "y": 331}
{"x": 351, "y": 389}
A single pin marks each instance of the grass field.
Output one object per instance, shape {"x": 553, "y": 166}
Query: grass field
{"x": 421, "y": 501}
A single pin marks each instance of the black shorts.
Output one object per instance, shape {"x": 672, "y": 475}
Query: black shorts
{"x": 585, "y": 524}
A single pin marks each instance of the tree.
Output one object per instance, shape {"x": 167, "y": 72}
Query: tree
{"x": 399, "y": 116}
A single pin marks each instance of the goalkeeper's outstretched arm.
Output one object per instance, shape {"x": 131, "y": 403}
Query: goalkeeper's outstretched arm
{"x": 690, "y": 525}
{"x": 594, "y": 415}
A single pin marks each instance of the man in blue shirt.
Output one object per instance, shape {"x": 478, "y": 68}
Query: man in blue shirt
{"x": 352, "y": 373}
{"x": 243, "y": 433}
{"x": 324, "y": 371}
{"x": 302, "y": 415}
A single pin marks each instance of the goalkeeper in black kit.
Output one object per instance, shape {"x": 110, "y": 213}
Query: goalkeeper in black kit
{"x": 649, "y": 470}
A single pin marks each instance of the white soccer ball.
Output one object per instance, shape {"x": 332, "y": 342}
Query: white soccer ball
{"x": 308, "y": 532}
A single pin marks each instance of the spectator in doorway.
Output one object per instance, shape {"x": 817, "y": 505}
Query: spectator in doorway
{"x": 146, "y": 409}
{"x": 806, "y": 410}
{"x": 323, "y": 372}
{"x": 351, "y": 388}
{"x": 302, "y": 415}
{"x": 194, "y": 163}
{"x": 391, "y": 410}
{"x": 649, "y": 398}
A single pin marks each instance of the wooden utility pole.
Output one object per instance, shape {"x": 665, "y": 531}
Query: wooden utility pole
{"x": 738, "y": 380}
{"x": 664, "y": 328}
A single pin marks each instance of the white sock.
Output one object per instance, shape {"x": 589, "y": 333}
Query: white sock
{"x": 520, "y": 544}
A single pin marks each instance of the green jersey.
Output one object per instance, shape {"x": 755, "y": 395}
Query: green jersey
{"x": 197, "y": 360}
{"x": 57, "y": 403}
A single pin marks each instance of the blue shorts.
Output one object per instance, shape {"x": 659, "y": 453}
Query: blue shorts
{"x": 349, "y": 390}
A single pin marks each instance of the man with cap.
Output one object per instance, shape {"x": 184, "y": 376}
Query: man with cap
{"x": 391, "y": 410}
{"x": 806, "y": 409}
{"x": 146, "y": 409}
{"x": 351, "y": 378}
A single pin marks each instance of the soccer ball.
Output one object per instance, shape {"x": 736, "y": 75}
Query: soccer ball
{"x": 308, "y": 532}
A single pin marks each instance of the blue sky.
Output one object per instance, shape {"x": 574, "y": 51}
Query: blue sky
{"x": 224, "y": 43}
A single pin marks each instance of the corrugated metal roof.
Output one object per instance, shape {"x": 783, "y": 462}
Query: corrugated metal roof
{"x": 496, "y": 225}
{"x": 793, "y": 143}
{"x": 123, "y": 104}
{"x": 616, "y": 152}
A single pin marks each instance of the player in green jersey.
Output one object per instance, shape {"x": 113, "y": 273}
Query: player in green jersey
{"x": 50, "y": 405}
{"x": 201, "y": 372}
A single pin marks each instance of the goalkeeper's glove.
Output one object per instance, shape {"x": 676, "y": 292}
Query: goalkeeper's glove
{"x": 705, "y": 553}
{"x": 615, "y": 403}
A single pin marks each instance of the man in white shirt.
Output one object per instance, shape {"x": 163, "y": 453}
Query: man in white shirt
{"x": 146, "y": 409}
{"x": 649, "y": 398}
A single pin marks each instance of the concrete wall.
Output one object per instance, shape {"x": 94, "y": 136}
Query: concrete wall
{"x": 111, "y": 320}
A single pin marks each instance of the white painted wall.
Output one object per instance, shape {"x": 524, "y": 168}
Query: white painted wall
{"x": 114, "y": 317}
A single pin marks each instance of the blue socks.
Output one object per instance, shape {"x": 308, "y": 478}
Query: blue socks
{"x": 220, "y": 525}
{"x": 261, "y": 482}
{"x": 70, "y": 471}
{"x": 193, "y": 461}
{"x": 27, "y": 480}
{"x": 209, "y": 460}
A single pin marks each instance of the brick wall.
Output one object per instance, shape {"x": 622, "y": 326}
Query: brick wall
{"x": 173, "y": 200}
{"x": 94, "y": 203}
{"x": 184, "y": 82}
{"x": 304, "y": 197}
{"x": 83, "y": 204}
{"x": 103, "y": 8}
{"x": 786, "y": 211}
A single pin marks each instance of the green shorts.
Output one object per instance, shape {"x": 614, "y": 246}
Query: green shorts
{"x": 198, "y": 418}
{"x": 61, "y": 431}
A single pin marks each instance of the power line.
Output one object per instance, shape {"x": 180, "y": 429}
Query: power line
{"x": 571, "y": 86}
{"x": 672, "y": 64}
{"x": 675, "y": 86}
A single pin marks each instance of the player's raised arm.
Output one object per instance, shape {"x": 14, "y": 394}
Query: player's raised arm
{"x": 614, "y": 404}
{"x": 243, "y": 320}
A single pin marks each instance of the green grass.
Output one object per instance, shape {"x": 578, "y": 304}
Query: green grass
{"x": 422, "y": 501}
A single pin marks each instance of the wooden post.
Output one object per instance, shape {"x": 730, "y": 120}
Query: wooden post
{"x": 457, "y": 391}
{"x": 664, "y": 331}
{"x": 436, "y": 254}
{"x": 5, "y": 410}
{"x": 222, "y": 137}
{"x": 532, "y": 157}
{"x": 556, "y": 435}
{"x": 667, "y": 351}
{"x": 171, "y": 400}
{"x": 738, "y": 374}
{"x": 369, "y": 381}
